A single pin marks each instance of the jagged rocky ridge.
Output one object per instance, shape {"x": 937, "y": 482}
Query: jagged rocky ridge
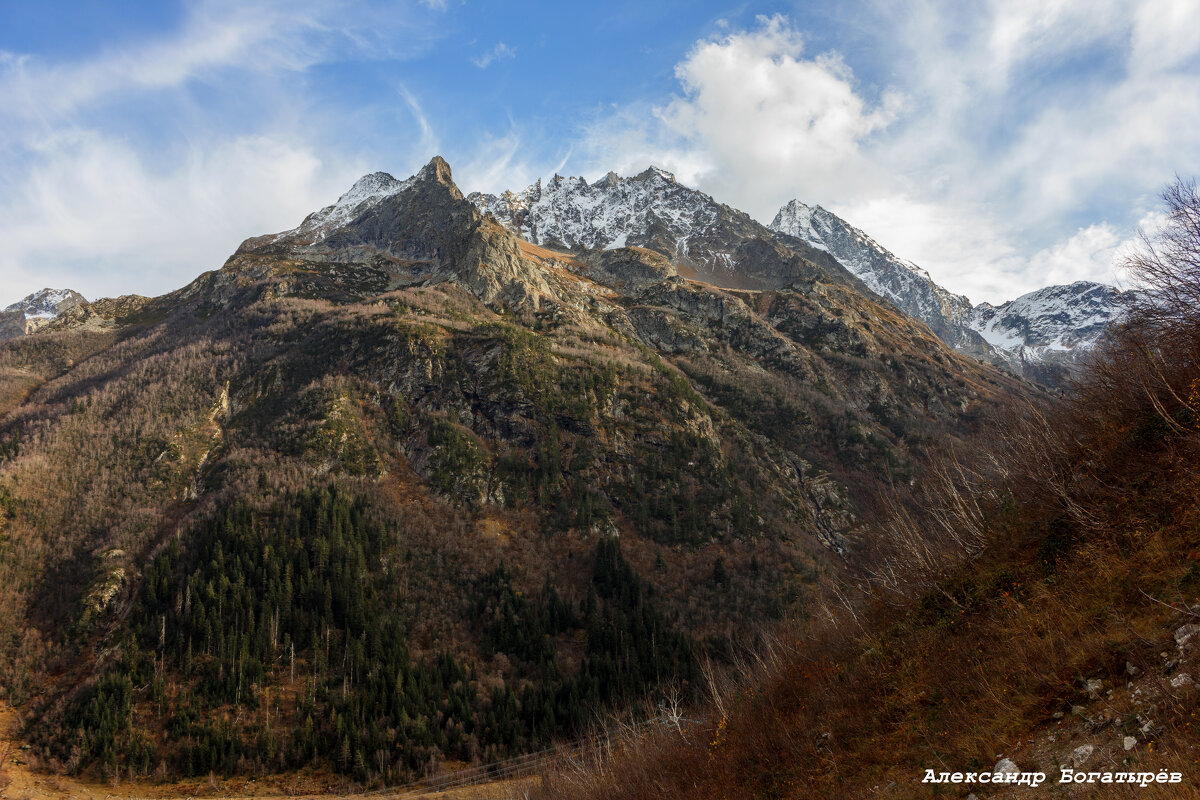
{"x": 704, "y": 239}
{"x": 709, "y": 241}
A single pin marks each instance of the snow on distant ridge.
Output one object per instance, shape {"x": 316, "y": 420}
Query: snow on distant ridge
{"x": 367, "y": 192}
{"x": 47, "y": 303}
{"x": 902, "y": 282}
{"x": 616, "y": 212}
{"x": 1054, "y": 319}
{"x": 1055, "y": 324}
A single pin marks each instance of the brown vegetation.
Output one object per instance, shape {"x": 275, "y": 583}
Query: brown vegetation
{"x": 1066, "y": 552}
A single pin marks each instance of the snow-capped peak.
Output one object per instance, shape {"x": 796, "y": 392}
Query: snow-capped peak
{"x": 47, "y": 303}
{"x": 654, "y": 172}
{"x": 1051, "y": 319}
{"x": 1054, "y": 325}
{"x": 796, "y": 219}
{"x": 367, "y": 192}
{"x": 902, "y": 282}
{"x": 615, "y": 212}
{"x": 376, "y": 185}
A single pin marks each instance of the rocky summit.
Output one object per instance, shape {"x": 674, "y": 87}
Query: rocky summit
{"x": 30, "y": 313}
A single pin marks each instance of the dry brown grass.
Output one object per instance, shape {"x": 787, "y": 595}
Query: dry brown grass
{"x": 1068, "y": 551}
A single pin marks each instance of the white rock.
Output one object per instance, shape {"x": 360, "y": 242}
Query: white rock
{"x": 1129, "y": 742}
{"x": 1081, "y": 754}
{"x": 1094, "y": 687}
{"x": 1182, "y": 681}
{"x": 1184, "y": 634}
{"x": 1006, "y": 766}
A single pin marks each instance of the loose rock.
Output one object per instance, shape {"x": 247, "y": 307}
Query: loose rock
{"x": 1184, "y": 634}
{"x": 1081, "y": 754}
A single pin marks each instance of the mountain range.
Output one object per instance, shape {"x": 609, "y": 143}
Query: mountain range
{"x": 434, "y": 478}
{"x": 1042, "y": 335}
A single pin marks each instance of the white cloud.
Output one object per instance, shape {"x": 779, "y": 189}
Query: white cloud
{"x": 99, "y": 195}
{"x": 1087, "y": 255}
{"x": 215, "y": 35}
{"x": 1015, "y": 143}
{"x": 625, "y": 140}
{"x": 498, "y": 53}
{"x": 767, "y": 118}
{"x": 92, "y": 201}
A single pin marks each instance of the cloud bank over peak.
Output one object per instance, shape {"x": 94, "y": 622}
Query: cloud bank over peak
{"x": 1014, "y": 143}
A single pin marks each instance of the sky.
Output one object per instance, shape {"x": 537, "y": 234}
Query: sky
{"x": 1001, "y": 146}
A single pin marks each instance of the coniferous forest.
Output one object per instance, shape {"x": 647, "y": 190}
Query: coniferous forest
{"x": 259, "y": 651}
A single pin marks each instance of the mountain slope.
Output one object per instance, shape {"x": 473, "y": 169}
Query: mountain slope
{"x": 1045, "y": 630}
{"x": 397, "y": 486}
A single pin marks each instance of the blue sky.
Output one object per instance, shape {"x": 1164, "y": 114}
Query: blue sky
{"x": 1001, "y": 146}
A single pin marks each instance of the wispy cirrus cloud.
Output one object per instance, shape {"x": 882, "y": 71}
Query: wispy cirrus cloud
{"x": 499, "y": 52}
{"x": 132, "y": 168}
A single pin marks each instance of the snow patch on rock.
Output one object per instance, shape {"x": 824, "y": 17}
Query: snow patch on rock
{"x": 366, "y": 193}
{"x": 47, "y": 303}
